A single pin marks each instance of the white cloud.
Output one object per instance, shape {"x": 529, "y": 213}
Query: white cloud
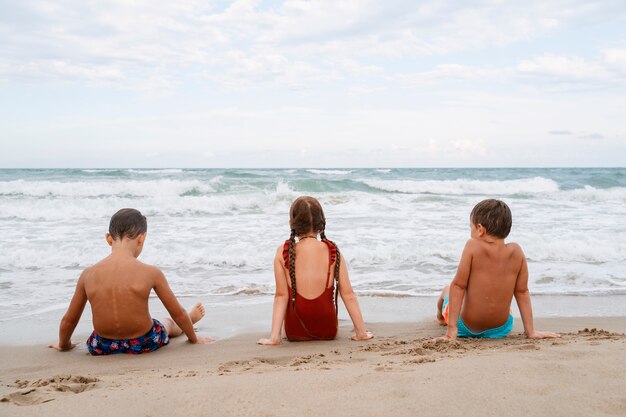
{"x": 554, "y": 72}
{"x": 288, "y": 43}
{"x": 564, "y": 68}
{"x": 57, "y": 70}
{"x": 616, "y": 58}
{"x": 440, "y": 80}
{"x": 444, "y": 72}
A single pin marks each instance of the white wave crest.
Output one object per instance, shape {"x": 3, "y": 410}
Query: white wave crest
{"x": 466, "y": 186}
{"x": 149, "y": 188}
{"x": 590, "y": 194}
{"x": 328, "y": 172}
{"x": 95, "y": 171}
{"x": 284, "y": 190}
{"x": 156, "y": 171}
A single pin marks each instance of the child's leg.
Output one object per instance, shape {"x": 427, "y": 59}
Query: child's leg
{"x": 195, "y": 314}
{"x": 444, "y": 293}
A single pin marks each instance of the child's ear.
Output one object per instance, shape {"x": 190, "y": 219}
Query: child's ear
{"x": 109, "y": 239}
{"x": 481, "y": 230}
{"x": 141, "y": 238}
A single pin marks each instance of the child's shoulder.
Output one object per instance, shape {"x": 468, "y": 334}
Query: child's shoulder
{"x": 283, "y": 246}
{"x": 140, "y": 268}
{"x": 282, "y": 251}
{"x": 148, "y": 268}
{"x": 473, "y": 244}
{"x": 148, "y": 273}
{"x": 515, "y": 247}
{"x": 477, "y": 246}
{"x": 88, "y": 272}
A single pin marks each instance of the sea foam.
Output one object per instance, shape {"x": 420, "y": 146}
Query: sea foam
{"x": 217, "y": 231}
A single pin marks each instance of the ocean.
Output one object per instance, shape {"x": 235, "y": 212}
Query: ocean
{"x": 215, "y": 231}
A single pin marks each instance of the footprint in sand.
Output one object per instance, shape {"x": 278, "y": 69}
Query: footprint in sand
{"x": 416, "y": 351}
{"x": 46, "y": 389}
{"x": 418, "y": 361}
{"x": 442, "y": 346}
{"x": 245, "y": 365}
{"x": 298, "y": 363}
{"x": 526, "y": 346}
{"x": 383, "y": 346}
{"x": 302, "y": 360}
{"x": 28, "y": 396}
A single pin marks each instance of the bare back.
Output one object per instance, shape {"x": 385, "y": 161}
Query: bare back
{"x": 312, "y": 257}
{"x": 493, "y": 275}
{"x": 118, "y": 289}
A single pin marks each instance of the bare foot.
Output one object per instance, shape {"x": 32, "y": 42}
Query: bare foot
{"x": 196, "y": 313}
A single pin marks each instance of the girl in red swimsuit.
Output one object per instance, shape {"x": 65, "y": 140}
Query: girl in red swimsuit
{"x": 306, "y": 289}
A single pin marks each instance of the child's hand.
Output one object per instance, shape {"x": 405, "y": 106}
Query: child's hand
{"x": 63, "y": 348}
{"x": 363, "y": 336}
{"x": 269, "y": 342}
{"x": 204, "y": 340}
{"x": 450, "y": 334}
{"x": 543, "y": 335}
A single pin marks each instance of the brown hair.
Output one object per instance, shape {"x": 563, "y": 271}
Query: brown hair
{"x": 306, "y": 215}
{"x": 129, "y": 223}
{"x": 494, "y": 215}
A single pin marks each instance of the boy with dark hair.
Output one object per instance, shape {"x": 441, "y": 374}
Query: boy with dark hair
{"x": 490, "y": 273}
{"x": 117, "y": 289}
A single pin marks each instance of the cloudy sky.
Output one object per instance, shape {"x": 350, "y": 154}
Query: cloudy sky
{"x": 332, "y": 83}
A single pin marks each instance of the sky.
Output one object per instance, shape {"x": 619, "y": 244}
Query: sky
{"x": 338, "y": 83}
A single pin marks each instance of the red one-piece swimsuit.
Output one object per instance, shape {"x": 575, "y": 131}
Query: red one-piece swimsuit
{"x": 313, "y": 319}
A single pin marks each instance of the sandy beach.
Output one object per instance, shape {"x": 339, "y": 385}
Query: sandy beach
{"x": 285, "y": 163}
{"x": 402, "y": 372}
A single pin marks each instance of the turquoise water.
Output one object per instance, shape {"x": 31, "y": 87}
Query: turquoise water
{"x": 215, "y": 231}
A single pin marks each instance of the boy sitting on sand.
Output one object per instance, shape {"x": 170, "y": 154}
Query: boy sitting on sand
{"x": 490, "y": 273}
{"x": 118, "y": 288}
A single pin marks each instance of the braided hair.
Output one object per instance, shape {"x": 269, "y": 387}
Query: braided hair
{"x": 306, "y": 215}
{"x": 337, "y": 265}
{"x": 292, "y": 263}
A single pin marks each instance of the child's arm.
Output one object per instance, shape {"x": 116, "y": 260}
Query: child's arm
{"x": 457, "y": 290}
{"x": 72, "y": 316}
{"x": 281, "y": 300}
{"x": 522, "y": 297}
{"x": 352, "y": 304}
{"x": 177, "y": 312}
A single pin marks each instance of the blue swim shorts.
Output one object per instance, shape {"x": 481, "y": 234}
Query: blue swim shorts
{"x": 495, "y": 333}
{"x": 154, "y": 339}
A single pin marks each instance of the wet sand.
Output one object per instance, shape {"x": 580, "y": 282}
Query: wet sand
{"x": 231, "y": 316}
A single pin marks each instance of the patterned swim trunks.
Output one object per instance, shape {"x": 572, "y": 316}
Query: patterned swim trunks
{"x": 154, "y": 339}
